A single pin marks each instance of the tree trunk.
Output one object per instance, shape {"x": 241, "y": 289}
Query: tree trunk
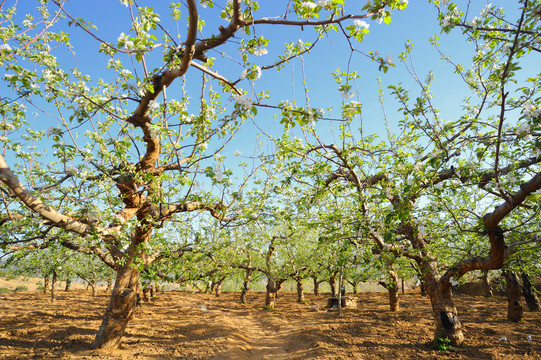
{"x": 393, "y": 291}
{"x": 316, "y": 285}
{"x": 354, "y": 284}
{"x": 109, "y": 285}
{"x": 332, "y": 283}
{"x": 532, "y": 300}
{"x": 53, "y": 284}
{"x": 271, "y": 294}
{"x": 445, "y": 315}
{"x": 68, "y": 284}
{"x": 152, "y": 294}
{"x": 218, "y": 287}
{"x": 515, "y": 311}
{"x": 45, "y": 284}
{"x": 92, "y": 284}
{"x": 120, "y": 308}
{"x": 246, "y": 287}
{"x": 300, "y": 290}
{"x": 487, "y": 290}
{"x": 146, "y": 292}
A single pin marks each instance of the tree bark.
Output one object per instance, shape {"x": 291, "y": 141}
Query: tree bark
{"x": 45, "y": 284}
{"x": 316, "y": 285}
{"x": 120, "y": 308}
{"x": 515, "y": 311}
{"x": 300, "y": 290}
{"x": 246, "y": 287}
{"x": 392, "y": 290}
{"x": 444, "y": 311}
{"x": 532, "y": 300}
{"x": 487, "y": 290}
{"x": 332, "y": 284}
{"x": 53, "y": 284}
{"x": 270, "y": 297}
{"x": 218, "y": 286}
{"x": 146, "y": 294}
{"x": 68, "y": 284}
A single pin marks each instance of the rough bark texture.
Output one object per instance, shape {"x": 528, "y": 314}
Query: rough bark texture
{"x": 300, "y": 291}
{"x": 515, "y": 311}
{"x": 445, "y": 314}
{"x": 532, "y": 300}
{"x": 316, "y": 285}
{"x": 120, "y": 308}
{"x": 218, "y": 287}
{"x": 487, "y": 290}
{"x": 53, "y": 285}
{"x": 270, "y": 297}
{"x": 246, "y": 287}
{"x": 332, "y": 283}
{"x": 68, "y": 285}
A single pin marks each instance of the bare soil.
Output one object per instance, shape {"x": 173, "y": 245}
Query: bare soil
{"x": 179, "y": 325}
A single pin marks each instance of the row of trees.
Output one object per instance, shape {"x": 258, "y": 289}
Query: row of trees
{"x": 136, "y": 175}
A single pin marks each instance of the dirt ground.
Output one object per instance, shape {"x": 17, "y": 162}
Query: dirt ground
{"x": 179, "y": 325}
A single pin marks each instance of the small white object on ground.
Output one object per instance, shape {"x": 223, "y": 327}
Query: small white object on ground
{"x": 503, "y": 339}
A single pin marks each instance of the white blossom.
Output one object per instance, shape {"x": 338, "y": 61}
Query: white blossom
{"x": 439, "y": 186}
{"x": 27, "y": 23}
{"x": 389, "y": 59}
{"x": 261, "y": 52}
{"x": 244, "y": 74}
{"x": 323, "y": 2}
{"x": 5, "y": 47}
{"x": 51, "y": 130}
{"x": 360, "y": 24}
{"x": 531, "y": 111}
{"x": 523, "y": 129}
{"x": 259, "y": 73}
{"x": 245, "y": 101}
{"x": 153, "y": 105}
{"x": 125, "y": 72}
{"x": 308, "y": 4}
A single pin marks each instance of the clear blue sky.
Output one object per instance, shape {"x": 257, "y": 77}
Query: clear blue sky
{"x": 418, "y": 23}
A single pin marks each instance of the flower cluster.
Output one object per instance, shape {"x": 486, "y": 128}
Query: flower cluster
{"x": 245, "y": 101}
{"x": 523, "y": 129}
{"x": 360, "y": 24}
{"x": 308, "y": 4}
{"x": 531, "y": 111}
{"x": 5, "y": 47}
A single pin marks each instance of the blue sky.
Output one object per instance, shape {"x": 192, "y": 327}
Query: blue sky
{"x": 417, "y": 24}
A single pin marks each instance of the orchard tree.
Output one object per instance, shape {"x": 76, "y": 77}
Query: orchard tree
{"x": 137, "y": 137}
{"x": 493, "y": 149}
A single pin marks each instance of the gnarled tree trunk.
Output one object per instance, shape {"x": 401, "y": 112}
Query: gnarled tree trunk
{"x": 392, "y": 289}
{"x": 332, "y": 284}
{"x": 300, "y": 290}
{"x": 120, "y": 308}
{"x": 270, "y": 297}
{"x": 445, "y": 314}
{"x": 515, "y": 311}
{"x": 246, "y": 286}
{"x": 532, "y": 300}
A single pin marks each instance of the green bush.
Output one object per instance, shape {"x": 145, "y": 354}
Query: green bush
{"x": 4, "y": 289}
{"x": 21, "y": 288}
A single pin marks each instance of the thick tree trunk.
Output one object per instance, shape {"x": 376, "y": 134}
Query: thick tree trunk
{"x": 53, "y": 285}
{"x": 532, "y": 300}
{"x": 92, "y": 284}
{"x": 445, "y": 315}
{"x": 300, "y": 291}
{"x": 270, "y": 297}
{"x": 246, "y": 287}
{"x": 515, "y": 311}
{"x": 120, "y": 308}
{"x": 332, "y": 283}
